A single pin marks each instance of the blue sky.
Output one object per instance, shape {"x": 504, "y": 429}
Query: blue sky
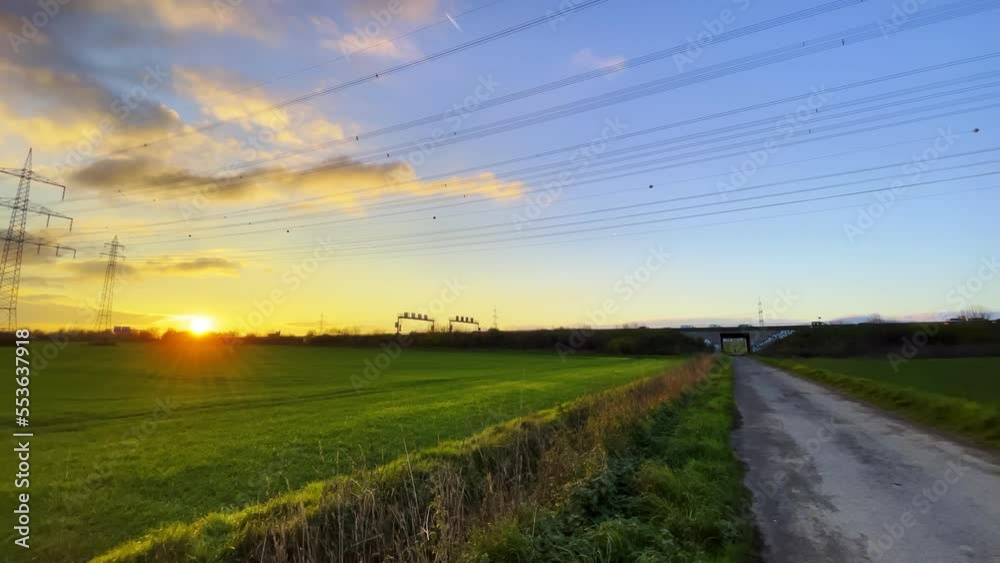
{"x": 905, "y": 265}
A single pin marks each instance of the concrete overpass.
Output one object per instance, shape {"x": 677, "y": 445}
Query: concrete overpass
{"x": 753, "y": 335}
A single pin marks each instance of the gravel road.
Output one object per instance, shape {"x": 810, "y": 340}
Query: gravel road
{"x": 835, "y": 480}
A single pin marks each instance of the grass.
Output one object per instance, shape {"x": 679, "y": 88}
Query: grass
{"x": 422, "y": 507}
{"x": 425, "y": 507}
{"x": 970, "y": 379}
{"x": 110, "y": 462}
{"x": 671, "y": 491}
{"x": 735, "y": 347}
{"x": 961, "y": 395}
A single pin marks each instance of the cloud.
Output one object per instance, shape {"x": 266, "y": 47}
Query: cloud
{"x": 372, "y": 26}
{"x": 586, "y": 58}
{"x": 250, "y": 18}
{"x": 58, "y": 298}
{"x": 194, "y": 267}
{"x": 85, "y": 90}
{"x": 42, "y": 281}
{"x": 371, "y": 38}
{"x": 222, "y": 96}
{"x": 162, "y": 266}
{"x": 350, "y": 44}
{"x": 74, "y": 314}
{"x": 342, "y": 181}
{"x": 44, "y": 91}
{"x": 64, "y": 107}
{"x": 376, "y": 10}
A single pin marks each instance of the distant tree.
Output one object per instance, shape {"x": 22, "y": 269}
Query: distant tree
{"x": 876, "y": 319}
{"x": 977, "y": 313}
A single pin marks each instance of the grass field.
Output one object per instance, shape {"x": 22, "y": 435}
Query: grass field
{"x": 972, "y": 379}
{"x": 130, "y": 437}
{"x": 642, "y": 472}
{"x": 960, "y": 395}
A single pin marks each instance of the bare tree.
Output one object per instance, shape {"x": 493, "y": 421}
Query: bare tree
{"x": 875, "y": 319}
{"x": 977, "y": 313}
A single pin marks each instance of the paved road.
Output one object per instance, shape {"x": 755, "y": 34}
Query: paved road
{"x": 834, "y": 480}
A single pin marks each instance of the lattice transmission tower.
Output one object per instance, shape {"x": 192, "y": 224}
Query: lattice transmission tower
{"x": 113, "y": 252}
{"x": 15, "y": 239}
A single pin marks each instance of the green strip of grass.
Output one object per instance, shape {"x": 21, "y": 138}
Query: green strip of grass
{"x": 977, "y": 422}
{"x": 672, "y": 492}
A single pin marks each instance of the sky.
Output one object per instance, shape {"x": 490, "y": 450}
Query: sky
{"x": 268, "y": 164}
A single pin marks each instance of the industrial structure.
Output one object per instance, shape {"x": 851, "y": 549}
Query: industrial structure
{"x": 463, "y": 320}
{"x": 15, "y": 239}
{"x": 419, "y": 317}
{"x": 113, "y": 252}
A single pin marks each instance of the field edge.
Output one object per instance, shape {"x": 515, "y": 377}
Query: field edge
{"x": 976, "y": 423}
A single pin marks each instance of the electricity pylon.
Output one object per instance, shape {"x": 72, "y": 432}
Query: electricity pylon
{"x": 16, "y": 237}
{"x": 108, "y": 295}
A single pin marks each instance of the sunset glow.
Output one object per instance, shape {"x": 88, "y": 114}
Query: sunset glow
{"x": 200, "y": 325}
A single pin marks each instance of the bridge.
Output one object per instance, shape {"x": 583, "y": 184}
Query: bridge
{"x": 756, "y": 337}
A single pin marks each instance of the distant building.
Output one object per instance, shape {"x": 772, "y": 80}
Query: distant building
{"x": 122, "y": 330}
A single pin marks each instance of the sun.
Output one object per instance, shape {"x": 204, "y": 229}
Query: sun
{"x": 200, "y": 325}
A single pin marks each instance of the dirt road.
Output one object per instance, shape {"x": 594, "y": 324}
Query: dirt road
{"x": 834, "y": 480}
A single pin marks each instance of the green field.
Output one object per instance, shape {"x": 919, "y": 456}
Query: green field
{"x": 735, "y": 347}
{"x": 960, "y": 396}
{"x": 130, "y": 437}
{"x": 972, "y": 379}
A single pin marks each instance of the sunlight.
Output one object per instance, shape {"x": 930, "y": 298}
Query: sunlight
{"x": 200, "y": 325}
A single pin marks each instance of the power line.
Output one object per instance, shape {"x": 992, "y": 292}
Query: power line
{"x": 716, "y": 194}
{"x": 450, "y": 250}
{"x": 611, "y": 68}
{"x": 682, "y": 157}
{"x": 663, "y": 145}
{"x": 666, "y": 220}
{"x": 788, "y": 52}
{"x": 625, "y": 136}
{"x": 463, "y": 202}
{"x": 375, "y": 45}
{"x": 464, "y": 231}
{"x": 377, "y": 244}
{"x": 415, "y": 238}
{"x": 782, "y": 54}
{"x": 385, "y": 72}
{"x": 866, "y": 149}
{"x": 617, "y": 67}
